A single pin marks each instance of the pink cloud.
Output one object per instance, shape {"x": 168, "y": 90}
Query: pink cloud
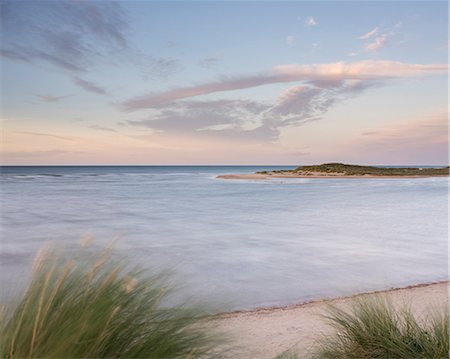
{"x": 411, "y": 141}
{"x": 363, "y": 70}
{"x": 369, "y": 34}
{"x": 51, "y": 98}
{"x": 377, "y": 44}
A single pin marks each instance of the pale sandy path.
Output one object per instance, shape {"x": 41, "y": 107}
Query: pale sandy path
{"x": 265, "y": 333}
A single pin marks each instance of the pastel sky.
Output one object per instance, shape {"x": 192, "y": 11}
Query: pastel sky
{"x": 254, "y": 82}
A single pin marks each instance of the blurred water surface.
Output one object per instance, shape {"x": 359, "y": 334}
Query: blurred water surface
{"x": 244, "y": 243}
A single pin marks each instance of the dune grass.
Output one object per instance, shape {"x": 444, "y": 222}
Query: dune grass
{"x": 373, "y": 328}
{"x": 96, "y": 308}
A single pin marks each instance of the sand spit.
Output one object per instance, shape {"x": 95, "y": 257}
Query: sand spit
{"x": 260, "y": 176}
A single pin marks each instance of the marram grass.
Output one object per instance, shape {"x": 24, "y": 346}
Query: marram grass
{"x": 95, "y": 308}
{"x": 373, "y": 328}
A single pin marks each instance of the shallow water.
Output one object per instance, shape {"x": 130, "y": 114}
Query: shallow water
{"x": 243, "y": 243}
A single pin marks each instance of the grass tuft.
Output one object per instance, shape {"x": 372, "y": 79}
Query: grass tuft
{"x": 96, "y": 308}
{"x": 373, "y": 328}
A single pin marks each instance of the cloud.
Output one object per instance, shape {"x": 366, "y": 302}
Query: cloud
{"x": 310, "y": 21}
{"x": 33, "y": 154}
{"x": 370, "y": 133}
{"x": 101, "y": 128}
{"x": 71, "y": 35}
{"x": 300, "y": 153}
{"x": 363, "y": 70}
{"x": 208, "y": 62}
{"x": 75, "y": 37}
{"x": 58, "y": 137}
{"x": 444, "y": 46}
{"x": 321, "y": 87}
{"x": 12, "y": 55}
{"x": 88, "y": 86}
{"x": 377, "y": 44}
{"x": 409, "y": 141}
{"x": 51, "y": 98}
{"x": 154, "y": 67}
{"x": 375, "y": 41}
{"x": 302, "y": 104}
{"x": 290, "y": 39}
{"x": 224, "y": 118}
{"x": 369, "y": 34}
{"x": 251, "y": 120}
{"x": 296, "y": 100}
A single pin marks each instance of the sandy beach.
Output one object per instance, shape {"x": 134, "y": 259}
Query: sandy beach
{"x": 265, "y": 333}
{"x": 260, "y": 176}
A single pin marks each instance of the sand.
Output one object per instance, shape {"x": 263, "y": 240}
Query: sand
{"x": 265, "y": 333}
{"x": 260, "y": 176}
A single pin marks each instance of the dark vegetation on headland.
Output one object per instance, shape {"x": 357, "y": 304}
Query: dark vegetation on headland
{"x": 341, "y": 169}
{"x": 98, "y": 307}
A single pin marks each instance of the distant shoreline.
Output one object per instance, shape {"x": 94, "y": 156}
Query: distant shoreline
{"x": 259, "y": 176}
{"x": 342, "y": 170}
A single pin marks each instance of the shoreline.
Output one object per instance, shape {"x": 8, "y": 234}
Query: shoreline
{"x": 267, "y": 332}
{"x": 260, "y": 176}
{"x": 329, "y": 299}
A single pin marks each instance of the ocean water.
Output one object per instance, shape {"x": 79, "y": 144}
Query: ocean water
{"x": 243, "y": 243}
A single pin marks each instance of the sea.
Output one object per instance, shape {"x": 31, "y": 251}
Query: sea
{"x": 242, "y": 243}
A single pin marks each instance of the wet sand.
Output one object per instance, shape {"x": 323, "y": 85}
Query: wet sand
{"x": 265, "y": 333}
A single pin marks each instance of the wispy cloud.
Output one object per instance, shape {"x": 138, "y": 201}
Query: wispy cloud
{"x": 310, "y": 21}
{"x": 224, "y": 118}
{"x": 322, "y": 87}
{"x": 88, "y": 86}
{"x": 75, "y": 37}
{"x": 363, "y": 70}
{"x": 156, "y": 67}
{"x": 13, "y": 55}
{"x": 408, "y": 141}
{"x": 369, "y": 34}
{"x": 290, "y": 39}
{"x": 51, "y": 98}
{"x": 63, "y": 33}
{"x": 377, "y": 44}
{"x": 444, "y": 46}
{"x": 11, "y": 155}
{"x": 101, "y": 128}
{"x": 209, "y": 62}
{"x": 305, "y": 103}
{"x": 370, "y": 133}
{"x": 252, "y": 120}
{"x": 58, "y": 137}
{"x": 374, "y": 41}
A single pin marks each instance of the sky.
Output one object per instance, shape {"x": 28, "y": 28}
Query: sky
{"x": 224, "y": 82}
